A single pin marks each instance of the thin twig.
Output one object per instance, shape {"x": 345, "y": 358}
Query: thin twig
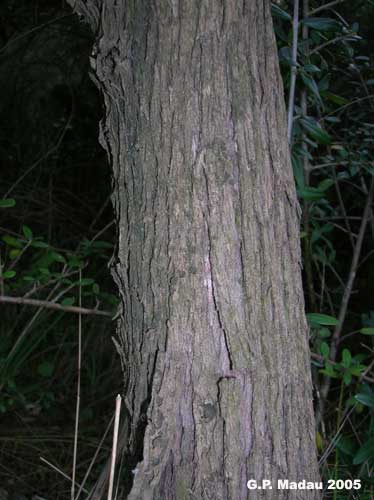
{"x": 59, "y": 471}
{"x": 335, "y": 439}
{"x": 329, "y": 42}
{"x": 100, "y": 211}
{"x": 363, "y": 376}
{"x": 77, "y": 407}
{"x": 346, "y": 296}
{"x": 97, "y": 491}
{"x": 351, "y": 103}
{"x": 53, "y": 305}
{"x": 44, "y": 157}
{"x": 325, "y": 291}
{"x": 306, "y": 169}
{"x": 64, "y": 291}
{"x": 291, "y": 99}
{"x": 352, "y": 272}
{"x": 329, "y": 164}
{"x": 30, "y": 323}
{"x": 1, "y": 278}
{"x": 36, "y": 28}
{"x": 120, "y": 468}
{"x": 344, "y": 229}
{"x": 365, "y": 190}
{"x": 342, "y": 206}
{"x": 337, "y": 217}
{"x": 94, "y": 459}
{"x": 326, "y": 6}
{"x": 114, "y": 447}
{"x": 38, "y": 287}
{"x": 102, "y": 230}
{"x": 14, "y": 263}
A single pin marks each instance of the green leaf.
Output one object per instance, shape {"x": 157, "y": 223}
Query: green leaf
{"x": 7, "y": 202}
{"x": 14, "y": 253}
{"x": 57, "y": 257}
{"x": 68, "y": 301}
{"x": 329, "y": 371}
{"x": 357, "y": 370}
{"x": 280, "y": 13}
{"x": 332, "y": 119}
{"x": 324, "y": 349}
{"x": 285, "y": 54}
{"x": 360, "y": 357}
{"x": 321, "y": 319}
{"x": 346, "y": 445}
{"x": 346, "y": 358}
{"x": 39, "y": 244}
{"x": 46, "y": 368}
{"x": 325, "y": 184}
{"x": 28, "y": 278}
{"x": 85, "y": 282}
{"x": 101, "y": 245}
{"x": 337, "y": 99}
{"x": 355, "y": 27}
{"x": 347, "y": 378}
{"x": 321, "y": 23}
{"x": 95, "y": 288}
{"x": 11, "y": 241}
{"x": 327, "y": 228}
{"x": 298, "y": 170}
{"x": 65, "y": 281}
{"x": 12, "y": 385}
{"x": 366, "y": 452}
{"x": 342, "y": 152}
{"x": 365, "y": 399}
{"x": 311, "y": 68}
{"x": 315, "y": 130}
{"x": 74, "y": 261}
{"x": 367, "y": 331}
{"x": 323, "y": 333}
{"x": 310, "y": 83}
{"x": 324, "y": 84}
{"x": 310, "y": 193}
{"x": 27, "y": 232}
{"x": 9, "y": 274}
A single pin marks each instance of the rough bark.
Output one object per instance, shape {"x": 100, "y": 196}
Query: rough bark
{"x": 212, "y": 327}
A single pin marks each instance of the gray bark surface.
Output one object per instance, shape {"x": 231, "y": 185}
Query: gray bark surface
{"x": 212, "y": 328}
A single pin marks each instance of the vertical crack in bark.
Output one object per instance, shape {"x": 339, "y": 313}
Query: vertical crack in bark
{"x": 225, "y": 355}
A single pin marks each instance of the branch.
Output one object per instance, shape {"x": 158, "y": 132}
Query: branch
{"x": 53, "y": 305}
{"x": 318, "y": 357}
{"x": 355, "y": 101}
{"x": 329, "y": 42}
{"x": 345, "y": 300}
{"x": 352, "y": 272}
{"x": 326, "y": 6}
{"x": 36, "y": 28}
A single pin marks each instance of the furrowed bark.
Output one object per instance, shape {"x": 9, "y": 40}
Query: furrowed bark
{"x": 212, "y": 327}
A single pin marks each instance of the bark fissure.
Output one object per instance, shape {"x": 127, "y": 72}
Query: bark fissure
{"x": 225, "y": 356}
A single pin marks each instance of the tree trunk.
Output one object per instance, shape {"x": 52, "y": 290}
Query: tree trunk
{"x": 212, "y": 328}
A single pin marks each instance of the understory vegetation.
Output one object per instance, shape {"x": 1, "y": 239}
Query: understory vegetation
{"x": 57, "y": 238}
